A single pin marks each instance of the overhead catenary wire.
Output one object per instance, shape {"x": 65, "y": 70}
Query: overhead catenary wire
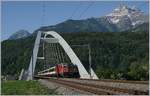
{"x": 55, "y": 53}
{"x": 59, "y": 52}
{"x": 70, "y": 17}
{"x": 86, "y": 9}
{"x": 52, "y": 53}
{"x": 44, "y": 55}
{"x": 75, "y": 10}
{"x": 43, "y": 13}
{"x": 63, "y": 56}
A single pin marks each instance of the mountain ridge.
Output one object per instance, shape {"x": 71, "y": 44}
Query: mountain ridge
{"x": 129, "y": 18}
{"x": 121, "y": 19}
{"x": 19, "y": 34}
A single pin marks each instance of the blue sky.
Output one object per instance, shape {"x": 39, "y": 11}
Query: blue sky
{"x": 28, "y": 15}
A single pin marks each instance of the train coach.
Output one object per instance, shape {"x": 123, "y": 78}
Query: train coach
{"x": 61, "y": 70}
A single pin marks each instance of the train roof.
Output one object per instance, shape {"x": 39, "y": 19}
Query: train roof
{"x": 47, "y": 69}
{"x": 67, "y": 64}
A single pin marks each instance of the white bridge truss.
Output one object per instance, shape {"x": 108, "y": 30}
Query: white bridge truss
{"x": 57, "y": 39}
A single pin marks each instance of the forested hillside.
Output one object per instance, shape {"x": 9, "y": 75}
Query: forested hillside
{"x": 16, "y": 55}
{"x": 115, "y": 55}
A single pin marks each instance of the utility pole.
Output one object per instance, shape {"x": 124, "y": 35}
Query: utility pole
{"x": 90, "y": 60}
{"x": 44, "y": 55}
{"x": 32, "y": 65}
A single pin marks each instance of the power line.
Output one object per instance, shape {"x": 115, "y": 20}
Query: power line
{"x": 75, "y": 10}
{"x": 86, "y": 9}
{"x": 43, "y": 13}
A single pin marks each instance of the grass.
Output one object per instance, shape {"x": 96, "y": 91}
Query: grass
{"x": 24, "y": 88}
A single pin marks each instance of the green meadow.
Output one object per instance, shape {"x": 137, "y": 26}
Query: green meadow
{"x": 16, "y": 87}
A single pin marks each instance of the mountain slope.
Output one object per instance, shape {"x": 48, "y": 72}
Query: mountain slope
{"x": 88, "y": 25}
{"x": 19, "y": 34}
{"x": 141, "y": 28}
{"x": 121, "y": 19}
{"x": 16, "y": 55}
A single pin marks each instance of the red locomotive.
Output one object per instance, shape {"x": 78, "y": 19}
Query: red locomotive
{"x": 61, "y": 70}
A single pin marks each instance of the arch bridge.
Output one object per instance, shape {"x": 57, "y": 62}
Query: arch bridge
{"x": 56, "y": 38}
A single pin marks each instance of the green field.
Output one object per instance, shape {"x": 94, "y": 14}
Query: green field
{"x": 24, "y": 88}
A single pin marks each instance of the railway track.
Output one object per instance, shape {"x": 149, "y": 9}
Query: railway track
{"x": 96, "y": 89}
{"x": 120, "y": 81}
{"x": 103, "y": 80}
{"x": 83, "y": 87}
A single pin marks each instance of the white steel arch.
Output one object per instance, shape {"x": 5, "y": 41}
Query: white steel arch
{"x": 74, "y": 59}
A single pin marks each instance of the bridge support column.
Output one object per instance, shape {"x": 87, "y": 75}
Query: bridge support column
{"x": 34, "y": 57}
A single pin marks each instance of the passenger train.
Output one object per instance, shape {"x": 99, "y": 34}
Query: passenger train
{"x": 61, "y": 70}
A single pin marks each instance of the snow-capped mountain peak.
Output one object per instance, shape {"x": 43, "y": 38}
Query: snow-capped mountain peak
{"x": 123, "y": 11}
